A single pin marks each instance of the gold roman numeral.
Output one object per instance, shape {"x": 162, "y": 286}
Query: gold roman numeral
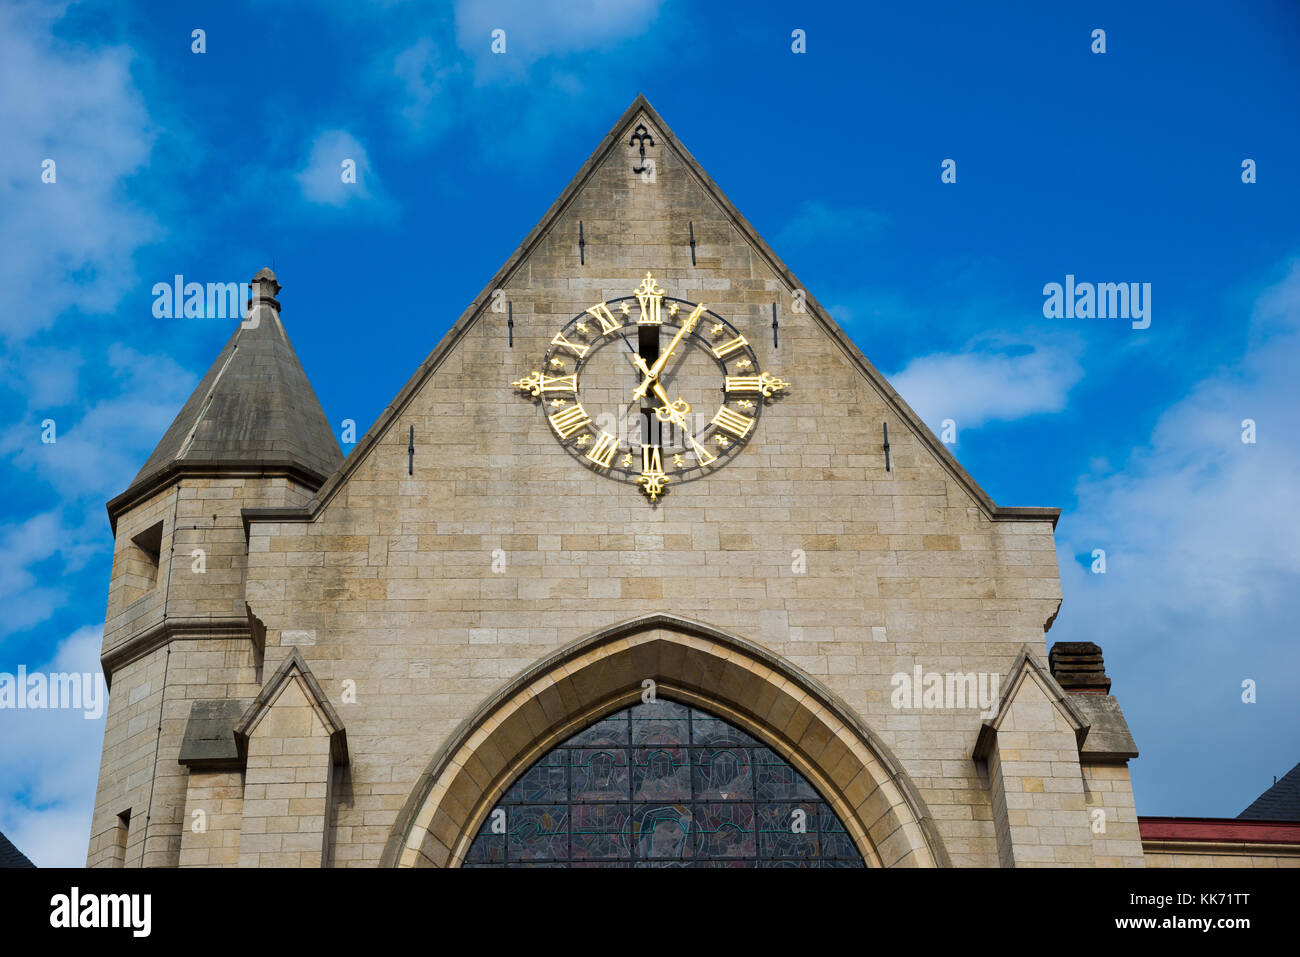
{"x": 602, "y": 453}
{"x": 732, "y": 421}
{"x": 570, "y": 420}
{"x": 652, "y": 460}
{"x": 744, "y": 383}
{"x": 560, "y": 383}
{"x": 564, "y": 343}
{"x": 727, "y": 348}
{"x": 602, "y": 315}
{"x": 651, "y": 298}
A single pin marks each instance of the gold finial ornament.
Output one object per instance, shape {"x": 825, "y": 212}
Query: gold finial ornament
{"x": 531, "y": 383}
{"x": 652, "y": 483}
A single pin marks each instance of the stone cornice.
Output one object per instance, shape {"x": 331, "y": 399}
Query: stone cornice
{"x": 159, "y": 480}
{"x": 169, "y": 629}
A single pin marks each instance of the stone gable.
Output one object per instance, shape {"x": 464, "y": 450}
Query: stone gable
{"x": 395, "y": 573}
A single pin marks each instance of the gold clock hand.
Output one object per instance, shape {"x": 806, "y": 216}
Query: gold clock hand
{"x": 653, "y": 372}
{"x": 674, "y": 412}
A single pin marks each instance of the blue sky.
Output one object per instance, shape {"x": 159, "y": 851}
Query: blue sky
{"x": 1122, "y": 166}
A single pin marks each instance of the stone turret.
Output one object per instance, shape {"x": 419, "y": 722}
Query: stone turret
{"x": 253, "y": 411}
{"x": 252, "y": 434}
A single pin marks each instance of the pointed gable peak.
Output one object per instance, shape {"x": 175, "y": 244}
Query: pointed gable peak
{"x": 293, "y": 667}
{"x": 641, "y": 117}
{"x": 1027, "y": 673}
{"x": 254, "y": 409}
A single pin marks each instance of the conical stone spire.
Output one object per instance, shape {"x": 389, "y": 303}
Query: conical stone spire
{"x": 254, "y": 408}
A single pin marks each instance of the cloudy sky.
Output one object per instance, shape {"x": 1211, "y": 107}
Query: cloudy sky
{"x": 1124, "y": 166}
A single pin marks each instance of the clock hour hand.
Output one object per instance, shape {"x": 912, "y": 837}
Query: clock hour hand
{"x": 677, "y": 411}
{"x": 670, "y": 411}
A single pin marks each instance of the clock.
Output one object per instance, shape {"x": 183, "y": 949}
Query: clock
{"x": 651, "y": 390}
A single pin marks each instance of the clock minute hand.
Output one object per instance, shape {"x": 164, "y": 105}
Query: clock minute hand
{"x": 653, "y": 372}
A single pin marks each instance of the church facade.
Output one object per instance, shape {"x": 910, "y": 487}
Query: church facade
{"x": 646, "y": 565}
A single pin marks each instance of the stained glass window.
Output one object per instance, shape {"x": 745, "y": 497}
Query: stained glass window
{"x": 661, "y": 784}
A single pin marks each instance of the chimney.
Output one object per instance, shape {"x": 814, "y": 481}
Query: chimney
{"x": 1078, "y": 667}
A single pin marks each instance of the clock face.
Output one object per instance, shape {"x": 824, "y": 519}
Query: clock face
{"x": 651, "y": 390}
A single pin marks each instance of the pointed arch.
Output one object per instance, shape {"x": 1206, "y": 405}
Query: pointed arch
{"x": 696, "y": 664}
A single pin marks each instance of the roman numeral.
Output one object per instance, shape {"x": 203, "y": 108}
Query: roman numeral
{"x": 652, "y": 460}
{"x": 732, "y": 421}
{"x": 564, "y": 343}
{"x": 744, "y": 383}
{"x": 570, "y": 420}
{"x": 727, "y": 348}
{"x": 602, "y": 453}
{"x": 602, "y": 315}
{"x": 560, "y": 383}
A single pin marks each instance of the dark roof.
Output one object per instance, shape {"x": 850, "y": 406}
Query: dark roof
{"x": 10, "y": 856}
{"x": 254, "y": 406}
{"x": 1281, "y": 802}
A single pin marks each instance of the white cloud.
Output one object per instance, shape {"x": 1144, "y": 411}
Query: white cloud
{"x": 1198, "y": 499}
{"x": 1202, "y": 584}
{"x": 50, "y": 762}
{"x": 428, "y": 88}
{"x": 69, "y": 243}
{"x": 98, "y": 452}
{"x": 22, "y": 545}
{"x": 978, "y": 385}
{"x": 321, "y": 178}
{"x": 536, "y": 29}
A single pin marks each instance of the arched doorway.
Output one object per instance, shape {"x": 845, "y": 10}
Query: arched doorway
{"x": 662, "y": 784}
{"x": 692, "y": 664}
